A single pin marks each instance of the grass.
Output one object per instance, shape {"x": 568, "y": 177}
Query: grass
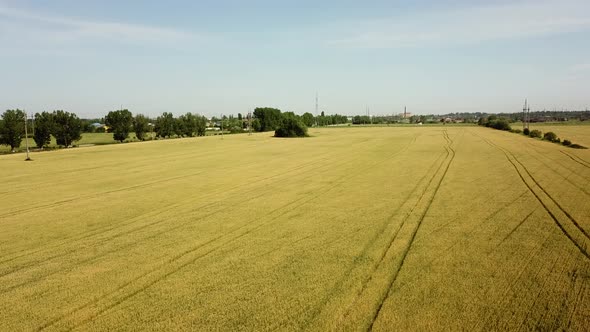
{"x": 384, "y": 228}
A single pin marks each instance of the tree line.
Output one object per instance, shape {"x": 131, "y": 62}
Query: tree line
{"x": 64, "y": 126}
{"x": 67, "y": 127}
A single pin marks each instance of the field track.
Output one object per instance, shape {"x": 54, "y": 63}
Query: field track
{"x": 351, "y": 229}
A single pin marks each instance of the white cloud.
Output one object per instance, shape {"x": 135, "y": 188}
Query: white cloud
{"x": 468, "y": 25}
{"x": 30, "y": 29}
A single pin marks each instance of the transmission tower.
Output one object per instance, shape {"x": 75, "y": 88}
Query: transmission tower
{"x": 316, "y": 109}
{"x": 524, "y": 126}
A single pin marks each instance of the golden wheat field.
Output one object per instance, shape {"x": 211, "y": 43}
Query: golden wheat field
{"x": 421, "y": 228}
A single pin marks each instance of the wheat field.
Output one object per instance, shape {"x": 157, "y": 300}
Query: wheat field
{"x": 422, "y": 228}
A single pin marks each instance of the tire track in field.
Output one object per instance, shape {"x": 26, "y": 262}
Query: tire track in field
{"x": 578, "y": 299}
{"x": 345, "y": 318}
{"x": 40, "y": 277}
{"x": 338, "y": 284}
{"x": 95, "y": 195}
{"x": 524, "y": 266}
{"x": 445, "y": 252}
{"x": 538, "y": 296}
{"x": 580, "y": 244}
{"x": 109, "y": 227}
{"x": 415, "y": 231}
{"x": 107, "y": 192}
{"x": 127, "y": 232}
{"x": 516, "y": 227}
{"x": 578, "y": 174}
{"x": 566, "y": 178}
{"x": 114, "y": 166}
{"x": 576, "y": 159}
{"x": 572, "y": 219}
{"x": 113, "y": 298}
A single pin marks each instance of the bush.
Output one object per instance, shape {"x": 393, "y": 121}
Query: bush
{"x": 577, "y": 146}
{"x": 536, "y": 133}
{"x": 526, "y": 131}
{"x": 291, "y": 127}
{"x": 567, "y": 142}
{"x": 550, "y": 136}
{"x": 500, "y": 124}
{"x": 236, "y": 130}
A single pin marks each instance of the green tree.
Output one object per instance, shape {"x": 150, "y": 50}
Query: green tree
{"x": 120, "y": 123}
{"x": 43, "y": 127}
{"x": 67, "y": 128}
{"x": 165, "y": 125}
{"x": 12, "y": 129}
{"x": 141, "y": 126}
{"x": 187, "y": 125}
{"x": 307, "y": 119}
{"x": 201, "y": 125}
{"x": 268, "y": 118}
{"x": 291, "y": 126}
{"x": 550, "y": 136}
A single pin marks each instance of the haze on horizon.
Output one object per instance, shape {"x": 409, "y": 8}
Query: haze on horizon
{"x": 214, "y": 57}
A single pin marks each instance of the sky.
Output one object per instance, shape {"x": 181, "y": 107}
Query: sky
{"x": 228, "y": 57}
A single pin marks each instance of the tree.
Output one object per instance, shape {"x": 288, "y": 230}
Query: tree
{"x": 12, "y": 130}
{"x": 307, "y": 119}
{"x": 269, "y": 118}
{"x": 120, "y": 123}
{"x": 535, "y": 133}
{"x": 201, "y": 125}
{"x": 550, "y": 136}
{"x": 43, "y": 127}
{"x": 187, "y": 125}
{"x": 165, "y": 125}
{"x": 67, "y": 128}
{"x": 291, "y": 126}
{"x": 141, "y": 126}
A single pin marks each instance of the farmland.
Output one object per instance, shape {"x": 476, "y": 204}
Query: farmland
{"x": 380, "y": 228}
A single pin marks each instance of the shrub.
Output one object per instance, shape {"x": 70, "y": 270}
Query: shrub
{"x": 536, "y": 133}
{"x": 550, "y": 136}
{"x": 567, "y": 142}
{"x": 291, "y": 127}
{"x": 236, "y": 130}
{"x": 577, "y": 146}
{"x": 500, "y": 124}
{"x": 526, "y": 131}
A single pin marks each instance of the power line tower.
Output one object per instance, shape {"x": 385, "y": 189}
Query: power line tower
{"x": 524, "y": 115}
{"x": 316, "y": 109}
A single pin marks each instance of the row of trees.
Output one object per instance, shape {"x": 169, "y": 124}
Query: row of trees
{"x": 64, "y": 126}
{"x": 286, "y": 124}
{"x": 121, "y": 123}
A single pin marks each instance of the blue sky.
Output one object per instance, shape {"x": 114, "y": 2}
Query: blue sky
{"x": 214, "y": 57}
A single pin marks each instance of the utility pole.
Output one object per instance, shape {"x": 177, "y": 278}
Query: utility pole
{"x": 27, "y": 138}
{"x": 250, "y": 123}
{"x": 524, "y": 115}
